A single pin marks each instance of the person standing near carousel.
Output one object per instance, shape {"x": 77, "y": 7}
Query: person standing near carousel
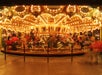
{"x": 4, "y": 39}
{"x": 96, "y": 48}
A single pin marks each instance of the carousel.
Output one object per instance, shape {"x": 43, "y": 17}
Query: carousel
{"x": 49, "y": 29}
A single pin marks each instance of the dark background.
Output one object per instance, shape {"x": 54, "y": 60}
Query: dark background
{"x": 50, "y": 2}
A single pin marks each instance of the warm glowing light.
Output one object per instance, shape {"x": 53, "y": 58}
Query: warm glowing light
{"x": 51, "y": 19}
{"x": 35, "y": 8}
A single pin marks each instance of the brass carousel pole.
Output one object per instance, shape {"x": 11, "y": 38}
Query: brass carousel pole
{"x": 24, "y": 45}
{"x": 100, "y": 32}
{"x": 0, "y": 38}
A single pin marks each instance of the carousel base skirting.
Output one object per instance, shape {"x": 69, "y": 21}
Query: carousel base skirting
{"x": 43, "y": 53}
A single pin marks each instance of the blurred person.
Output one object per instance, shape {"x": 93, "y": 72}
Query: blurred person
{"x": 96, "y": 48}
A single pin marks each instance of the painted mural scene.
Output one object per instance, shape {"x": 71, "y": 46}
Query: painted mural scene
{"x": 51, "y": 30}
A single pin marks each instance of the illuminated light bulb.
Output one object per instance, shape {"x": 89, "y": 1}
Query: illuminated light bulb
{"x": 48, "y": 9}
{"x": 53, "y": 10}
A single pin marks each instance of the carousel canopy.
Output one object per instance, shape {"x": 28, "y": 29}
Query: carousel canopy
{"x": 50, "y": 18}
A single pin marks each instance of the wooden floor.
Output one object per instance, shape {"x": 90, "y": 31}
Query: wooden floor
{"x": 15, "y": 65}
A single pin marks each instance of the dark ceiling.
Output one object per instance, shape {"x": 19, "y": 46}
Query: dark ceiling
{"x": 50, "y": 2}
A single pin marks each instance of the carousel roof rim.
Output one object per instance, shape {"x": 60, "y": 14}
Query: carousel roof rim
{"x": 50, "y": 2}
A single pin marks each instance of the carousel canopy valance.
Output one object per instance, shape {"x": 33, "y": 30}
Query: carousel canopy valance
{"x": 50, "y": 18}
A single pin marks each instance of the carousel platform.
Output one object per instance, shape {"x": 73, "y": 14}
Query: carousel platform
{"x": 41, "y": 52}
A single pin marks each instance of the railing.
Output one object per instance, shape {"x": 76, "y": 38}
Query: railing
{"x": 48, "y": 50}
